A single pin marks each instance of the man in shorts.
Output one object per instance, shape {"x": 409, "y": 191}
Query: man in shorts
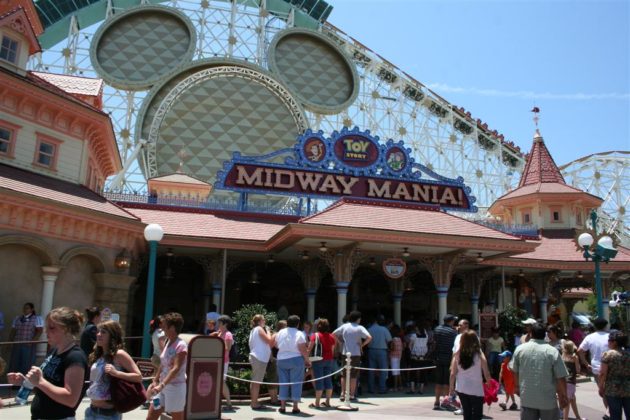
{"x": 444, "y": 339}
{"x": 354, "y": 337}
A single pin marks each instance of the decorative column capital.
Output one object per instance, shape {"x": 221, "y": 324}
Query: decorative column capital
{"x": 50, "y": 272}
{"x": 311, "y": 292}
{"x": 342, "y": 287}
{"x": 442, "y": 267}
{"x": 397, "y": 297}
{"x": 442, "y": 291}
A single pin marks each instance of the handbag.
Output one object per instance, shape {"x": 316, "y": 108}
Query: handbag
{"x": 126, "y": 396}
{"x": 317, "y": 351}
{"x": 420, "y": 347}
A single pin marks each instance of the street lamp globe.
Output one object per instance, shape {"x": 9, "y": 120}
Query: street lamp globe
{"x": 585, "y": 240}
{"x": 153, "y": 232}
{"x": 606, "y": 242}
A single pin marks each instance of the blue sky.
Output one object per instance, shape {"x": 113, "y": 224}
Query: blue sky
{"x": 499, "y": 58}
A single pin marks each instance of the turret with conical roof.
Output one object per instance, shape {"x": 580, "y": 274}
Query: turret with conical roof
{"x": 542, "y": 197}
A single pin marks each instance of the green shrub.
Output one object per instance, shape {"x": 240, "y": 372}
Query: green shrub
{"x": 242, "y": 325}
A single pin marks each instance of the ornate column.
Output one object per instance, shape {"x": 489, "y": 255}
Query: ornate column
{"x": 112, "y": 291}
{"x": 397, "y": 288}
{"x": 342, "y": 263}
{"x": 208, "y": 263}
{"x": 475, "y": 282}
{"x": 543, "y": 288}
{"x": 50, "y": 274}
{"x": 441, "y": 269}
{"x": 606, "y": 283}
{"x": 311, "y": 277}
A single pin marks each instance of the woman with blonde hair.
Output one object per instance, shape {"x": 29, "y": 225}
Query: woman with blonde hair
{"x": 108, "y": 360}
{"x": 468, "y": 369}
{"x": 260, "y": 342}
{"x": 58, "y": 382}
{"x": 572, "y": 363}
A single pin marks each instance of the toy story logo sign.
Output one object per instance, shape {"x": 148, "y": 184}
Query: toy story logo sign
{"x": 350, "y": 163}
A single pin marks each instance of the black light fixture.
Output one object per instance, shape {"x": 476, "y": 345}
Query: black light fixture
{"x": 520, "y": 273}
{"x": 123, "y": 260}
{"x": 169, "y": 252}
{"x": 323, "y": 248}
{"x": 580, "y": 275}
{"x": 408, "y": 286}
{"x": 168, "y": 273}
{"x": 479, "y": 257}
{"x": 254, "y": 278}
{"x": 372, "y": 262}
{"x": 270, "y": 259}
{"x": 305, "y": 255}
{"x": 405, "y": 252}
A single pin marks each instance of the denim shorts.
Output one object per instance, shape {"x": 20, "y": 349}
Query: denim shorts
{"x": 93, "y": 413}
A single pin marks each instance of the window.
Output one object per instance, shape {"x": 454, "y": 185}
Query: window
{"x": 578, "y": 217}
{"x": 9, "y": 49}
{"x": 556, "y": 214}
{"x": 8, "y": 132}
{"x": 5, "y": 141}
{"x": 46, "y": 152}
{"x": 527, "y": 218}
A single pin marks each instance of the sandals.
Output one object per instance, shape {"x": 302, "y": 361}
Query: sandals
{"x": 282, "y": 410}
{"x": 325, "y": 404}
{"x": 312, "y": 405}
{"x": 296, "y": 411}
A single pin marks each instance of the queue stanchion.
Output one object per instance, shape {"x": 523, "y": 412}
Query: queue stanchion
{"x": 346, "y": 406}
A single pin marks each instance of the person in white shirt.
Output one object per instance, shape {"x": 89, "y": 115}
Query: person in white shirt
{"x": 260, "y": 343}
{"x": 596, "y": 344}
{"x": 462, "y": 327}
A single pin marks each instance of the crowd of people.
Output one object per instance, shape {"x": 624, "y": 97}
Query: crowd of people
{"x": 541, "y": 371}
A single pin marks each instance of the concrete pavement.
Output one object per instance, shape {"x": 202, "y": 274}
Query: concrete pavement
{"x": 371, "y": 407}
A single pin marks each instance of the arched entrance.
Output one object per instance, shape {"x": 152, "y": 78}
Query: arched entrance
{"x": 178, "y": 287}
{"x": 274, "y": 285}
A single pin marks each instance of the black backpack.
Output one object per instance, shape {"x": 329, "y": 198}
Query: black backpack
{"x": 234, "y": 352}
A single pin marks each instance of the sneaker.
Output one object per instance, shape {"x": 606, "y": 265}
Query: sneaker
{"x": 458, "y": 412}
{"x": 513, "y": 407}
{"x": 437, "y": 407}
{"x": 503, "y": 406}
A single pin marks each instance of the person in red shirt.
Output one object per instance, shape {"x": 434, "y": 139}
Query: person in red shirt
{"x": 506, "y": 377}
{"x": 323, "y": 344}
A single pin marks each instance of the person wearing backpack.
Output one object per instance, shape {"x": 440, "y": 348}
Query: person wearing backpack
{"x": 419, "y": 350}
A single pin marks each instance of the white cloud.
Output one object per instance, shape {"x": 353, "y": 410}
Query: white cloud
{"x": 524, "y": 94}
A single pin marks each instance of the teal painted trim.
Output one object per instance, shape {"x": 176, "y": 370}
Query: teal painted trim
{"x": 89, "y": 15}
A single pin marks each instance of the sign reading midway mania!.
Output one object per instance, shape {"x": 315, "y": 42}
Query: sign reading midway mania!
{"x": 349, "y": 163}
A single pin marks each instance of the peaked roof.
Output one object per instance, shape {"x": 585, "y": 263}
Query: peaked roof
{"x": 540, "y": 166}
{"x": 180, "y": 178}
{"x": 17, "y": 19}
{"x": 542, "y": 176}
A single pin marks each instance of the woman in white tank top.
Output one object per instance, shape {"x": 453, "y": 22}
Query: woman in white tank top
{"x": 468, "y": 369}
{"x": 260, "y": 342}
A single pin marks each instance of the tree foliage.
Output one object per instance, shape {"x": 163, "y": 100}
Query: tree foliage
{"x": 242, "y": 325}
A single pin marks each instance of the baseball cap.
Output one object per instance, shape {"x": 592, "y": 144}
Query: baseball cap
{"x": 450, "y": 317}
{"x": 505, "y": 354}
{"x": 529, "y": 321}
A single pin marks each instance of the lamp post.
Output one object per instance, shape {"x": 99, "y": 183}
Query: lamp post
{"x": 604, "y": 251}
{"x": 153, "y": 233}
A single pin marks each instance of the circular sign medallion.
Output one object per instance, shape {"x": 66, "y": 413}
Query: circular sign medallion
{"x": 137, "y": 48}
{"x": 394, "y": 268}
{"x": 396, "y": 159}
{"x": 314, "y": 150}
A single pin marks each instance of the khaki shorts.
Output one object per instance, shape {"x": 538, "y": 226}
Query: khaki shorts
{"x": 258, "y": 369}
{"x": 355, "y": 361}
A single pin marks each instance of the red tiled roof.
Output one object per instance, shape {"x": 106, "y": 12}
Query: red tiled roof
{"x": 403, "y": 218}
{"x": 207, "y": 225}
{"x": 544, "y": 188}
{"x": 540, "y": 166}
{"x": 564, "y": 249}
{"x": 47, "y": 188}
{"x": 73, "y": 84}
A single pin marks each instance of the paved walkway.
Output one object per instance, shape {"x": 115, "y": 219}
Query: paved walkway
{"x": 377, "y": 407}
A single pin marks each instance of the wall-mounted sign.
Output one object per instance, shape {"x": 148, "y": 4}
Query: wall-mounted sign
{"x": 349, "y": 163}
{"x": 394, "y": 268}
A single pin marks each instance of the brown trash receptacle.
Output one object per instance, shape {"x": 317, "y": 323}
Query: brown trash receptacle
{"x": 204, "y": 377}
